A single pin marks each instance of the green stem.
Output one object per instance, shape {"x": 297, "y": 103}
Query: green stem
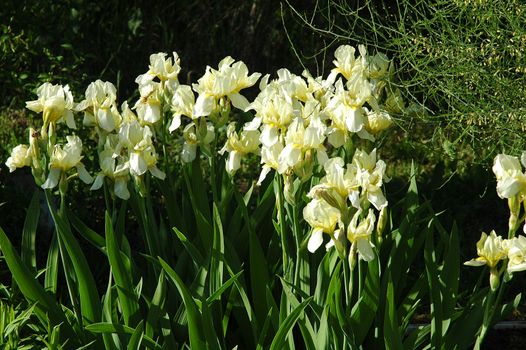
{"x": 488, "y": 315}
{"x": 106, "y": 200}
{"x": 297, "y": 241}
{"x": 491, "y": 306}
{"x": 348, "y": 278}
{"x": 146, "y": 226}
{"x": 360, "y": 278}
{"x": 278, "y": 190}
{"x": 66, "y": 262}
{"x": 213, "y": 175}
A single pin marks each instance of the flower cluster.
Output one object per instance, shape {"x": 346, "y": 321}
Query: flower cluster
{"x": 51, "y": 162}
{"x": 302, "y": 125}
{"x": 303, "y": 120}
{"x": 511, "y": 184}
{"x": 299, "y": 117}
{"x": 347, "y": 193}
{"x": 491, "y": 249}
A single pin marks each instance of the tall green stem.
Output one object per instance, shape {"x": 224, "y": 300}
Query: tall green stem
{"x": 285, "y": 248}
{"x": 66, "y": 262}
{"x": 348, "y": 278}
{"x": 488, "y": 313}
{"x": 213, "y": 175}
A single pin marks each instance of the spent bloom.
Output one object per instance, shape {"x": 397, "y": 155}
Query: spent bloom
{"x": 20, "y": 157}
{"x": 377, "y": 121}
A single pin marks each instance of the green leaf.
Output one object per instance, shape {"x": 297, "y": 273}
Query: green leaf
{"x": 450, "y": 274}
{"x": 199, "y": 200}
{"x": 217, "y": 294}
{"x": 46, "y": 308}
{"x": 364, "y": 312}
{"x": 166, "y": 330}
{"x": 264, "y": 331}
{"x": 51, "y": 275}
{"x": 194, "y": 253}
{"x": 87, "y": 346}
{"x": 218, "y": 251}
{"x": 506, "y": 309}
{"x": 463, "y": 330}
{"x": 156, "y": 307}
{"x": 195, "y": 326}
{"x": 307, "y": 331}
{"x": 136, "y": 338}
{"x": 122, "y": 276}
{"x": 264, "y": 206}
{"x": 435, "y": 292}
{"x": 89, "y": 299}
{"x": 111, "y": 341}
{"x": 107, "y": 327}
{"x": 29, "y": 232}
{"x": 416, "y": 337}
{"x": 323, "y": 277}
{"x": 259, "y": 277}
{"x": 16, "y": 324}
{"x": 411, "y": 198}
{"x": 323, "y": 333}
{"x": 392, "y": 336}
{"x": 286, "y": 326}
{"x": 274, "y": 316}
{"x": 284, "y": 311}
{"x": 209, "y": 329}
{"x": 91, "y": 236}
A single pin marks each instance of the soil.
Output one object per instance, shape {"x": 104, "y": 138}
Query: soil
{"x": 505, "y": 339}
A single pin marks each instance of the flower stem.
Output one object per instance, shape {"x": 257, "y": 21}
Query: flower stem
{"x": 278, "y": 190}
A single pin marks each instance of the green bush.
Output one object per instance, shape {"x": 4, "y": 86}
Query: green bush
{"x": 461, "y": 63}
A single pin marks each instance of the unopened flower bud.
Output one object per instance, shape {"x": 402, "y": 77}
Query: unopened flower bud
{"x": 328, "y": 195}
{"x": 304, "y": 170}
{"x": 352, "y": 257}
{"x": 20, "y": 157}
{"x": 494, "y": 278}
{"x": 515, "y": 206}
{"x": 382, "y": 222}
{"x": 63, "y": 184}
{"x": 288, "y": 190}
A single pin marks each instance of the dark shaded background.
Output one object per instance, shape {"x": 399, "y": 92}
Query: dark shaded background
{"x": 76, "y": 42}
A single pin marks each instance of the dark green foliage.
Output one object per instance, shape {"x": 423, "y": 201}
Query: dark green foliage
{"x": 460, "y": 63}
